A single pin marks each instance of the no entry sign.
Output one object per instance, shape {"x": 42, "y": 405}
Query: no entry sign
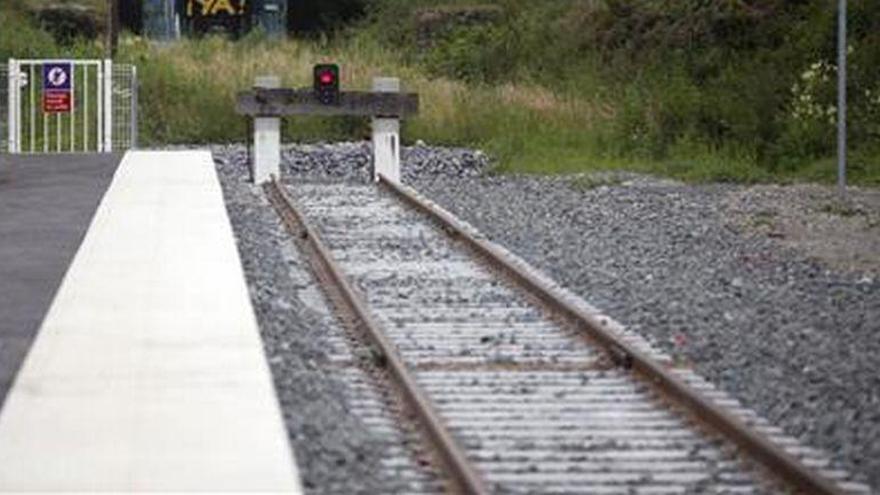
{"x": 57, "y": 87}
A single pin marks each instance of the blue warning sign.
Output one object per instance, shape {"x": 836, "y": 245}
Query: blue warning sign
{"x": 57, "y": 76}
{"x": 57, "y": 87}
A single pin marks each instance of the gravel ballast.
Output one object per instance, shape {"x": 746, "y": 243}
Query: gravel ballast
{"x": 704, "y": 272}
{"x": 790, "y": 337}
{"x": 338, "y": 449}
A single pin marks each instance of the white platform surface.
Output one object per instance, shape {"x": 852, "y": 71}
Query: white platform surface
{"x": 148, "y": 372}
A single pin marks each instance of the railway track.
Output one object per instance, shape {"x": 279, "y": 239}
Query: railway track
{"x": 518, "y": 386}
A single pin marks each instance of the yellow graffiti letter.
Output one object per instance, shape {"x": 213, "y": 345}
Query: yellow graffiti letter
{"x": 203, "y": 4}
{"x": 222, "y": 5}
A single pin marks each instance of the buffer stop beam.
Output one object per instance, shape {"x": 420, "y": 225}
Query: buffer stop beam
{"x": 268, "y": 103}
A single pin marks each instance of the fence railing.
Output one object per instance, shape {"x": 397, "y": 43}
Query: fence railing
{"x": 4, "y": 108}
{"x": 125, "y": 107}
{"x": 97, "y": 114}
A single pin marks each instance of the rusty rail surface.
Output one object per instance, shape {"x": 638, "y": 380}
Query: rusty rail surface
{"x": 460, "y": 470}
{"x": 778, "y": 462}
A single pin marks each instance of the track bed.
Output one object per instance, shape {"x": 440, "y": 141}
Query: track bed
{"x": 534, "y": 405}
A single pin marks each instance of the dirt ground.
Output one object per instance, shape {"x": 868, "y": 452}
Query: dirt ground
{"x": 843, "y": 235}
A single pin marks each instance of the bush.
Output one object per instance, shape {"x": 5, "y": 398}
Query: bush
{"x": 695, "y": 89}
{"x": 722, "y": 77}
{"x": 26, "y": 40}
{"x": 188, "y": 89}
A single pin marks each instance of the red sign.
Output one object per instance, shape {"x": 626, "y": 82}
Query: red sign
{"x": 57, "y": 101}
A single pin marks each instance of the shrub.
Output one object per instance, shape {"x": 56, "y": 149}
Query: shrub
{"x": 26, "y": 40}
{"x": 727, "y": 76}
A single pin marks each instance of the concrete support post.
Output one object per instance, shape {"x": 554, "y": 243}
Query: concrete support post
{"x": 386, "y": 135}
{"x": 267, "y": 138}
{"x": 108, "y": 105}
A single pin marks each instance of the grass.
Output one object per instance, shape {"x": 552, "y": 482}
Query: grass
{"x": 188, "y": 91}
{"x": 189, "y": 88}
{"x": 99, "y": 6}
{"x": 764, "y": 219}
{"x": 594, "y": 181}
{"x": 841, "y": 209}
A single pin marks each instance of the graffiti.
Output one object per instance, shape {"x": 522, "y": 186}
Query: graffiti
{"x": 207, "y": 8}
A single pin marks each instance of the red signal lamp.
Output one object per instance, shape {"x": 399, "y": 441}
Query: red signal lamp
{"x": 326, "y": 81}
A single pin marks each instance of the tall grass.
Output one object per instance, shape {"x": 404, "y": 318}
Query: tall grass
{"x": 188, "y": 91}
{"x": 716, "y": 90}
{"x": 540, "y": 121}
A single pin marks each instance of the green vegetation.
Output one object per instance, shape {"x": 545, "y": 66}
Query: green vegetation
{"x": 842, "y": 209}
{"x": 588, "y": 182}
{"x": 733, "y": 91}
{"x": 22, "y": 37}
{"x": 741, "y": 90}
{"x": 189, "y": 88}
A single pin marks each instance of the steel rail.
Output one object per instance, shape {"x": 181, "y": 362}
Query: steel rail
{"x": 780, "y": 463}
{"x": 461, "y": 470}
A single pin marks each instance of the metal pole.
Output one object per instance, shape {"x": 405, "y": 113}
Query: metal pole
{"x": 12, "y": 74}
{"x": 16, "y": 108}
{"x": 99, "y": 109}
{"x": 73, "y": 104}
{"x": 86, "y": 107}
{"x": 108, "y": 105}
{"x": 33, "y": 123}
{"x": 46, "y": 117}
{"x": 134, "y": 108}
{"x": 841, "y": 100}
{"x": 111, "y": 35}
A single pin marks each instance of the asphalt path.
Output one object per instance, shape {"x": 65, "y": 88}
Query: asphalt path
{"x": 46, "y": 205}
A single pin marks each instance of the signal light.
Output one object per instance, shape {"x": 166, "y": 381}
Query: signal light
{"x": 326, "y": 77}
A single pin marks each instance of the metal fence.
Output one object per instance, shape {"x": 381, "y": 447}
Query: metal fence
{"x": 102, "y": 113}
{"x": 4, "y": 108}
{"x": 125, "y": 107}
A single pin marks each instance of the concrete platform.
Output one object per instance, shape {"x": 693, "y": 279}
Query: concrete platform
{"x": 148, "y": 371}
{"x": 46, "y": 205}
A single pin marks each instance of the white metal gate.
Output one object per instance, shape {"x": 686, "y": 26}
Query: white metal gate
{"x": 102, "y": 116}
{"x": 4, "y": 105}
